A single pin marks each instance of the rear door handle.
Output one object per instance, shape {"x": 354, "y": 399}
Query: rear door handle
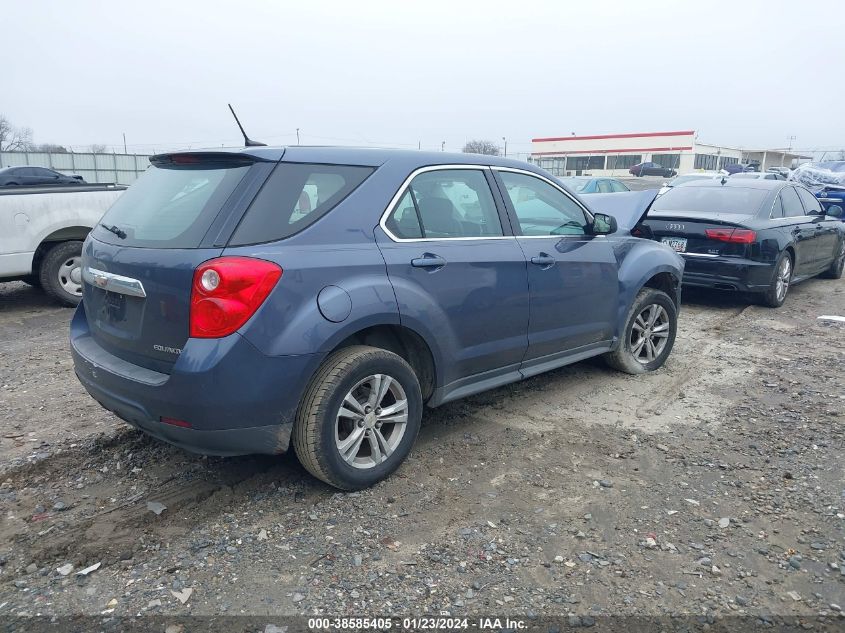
{"x": 428, "y": 260}
{"x": 543, "y": 259}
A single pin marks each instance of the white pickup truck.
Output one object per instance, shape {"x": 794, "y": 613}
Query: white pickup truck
{"x": 41, "y": 234}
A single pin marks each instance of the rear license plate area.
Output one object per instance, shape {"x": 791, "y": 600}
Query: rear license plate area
{"x": 115, "y": 304}
{"x": 677, "y": 244}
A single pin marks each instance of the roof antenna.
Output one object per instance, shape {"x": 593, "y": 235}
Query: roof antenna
{"x": 248, "y": 142}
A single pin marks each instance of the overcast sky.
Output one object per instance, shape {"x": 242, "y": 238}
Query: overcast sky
{"x": 393, "y": 73}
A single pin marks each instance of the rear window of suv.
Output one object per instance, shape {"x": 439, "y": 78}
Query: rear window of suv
{"x": 173, "y": 204}
{"x": 294, "y": 197}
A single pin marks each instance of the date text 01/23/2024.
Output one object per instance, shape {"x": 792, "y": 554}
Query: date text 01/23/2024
{"x": 420, "y": 623}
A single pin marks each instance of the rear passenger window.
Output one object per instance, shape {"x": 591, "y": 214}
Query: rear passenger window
{"x": 444, "y": 204}
{"x": 777, "y": 208}
{"x": 811, "y": 203}
{"x": 295, "y": 196}
{"x": 791, "y": 203}
{"x": 404, "y": 222}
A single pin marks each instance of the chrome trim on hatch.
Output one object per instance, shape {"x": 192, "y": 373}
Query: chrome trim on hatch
{"x": 698, "y": 254}
{"x": 113, "y": 283}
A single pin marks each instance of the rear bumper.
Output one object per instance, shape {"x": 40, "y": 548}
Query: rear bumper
{"x": 237, "y": 400}
{"x": 727, "y": 273}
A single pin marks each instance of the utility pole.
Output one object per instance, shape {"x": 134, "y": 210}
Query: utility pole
{"x": 124, "y": 143}
{"x": 506, "y": 146}
{"x": 443, "y": 146}
{"x": 297, "y": 136}
{"x": 790, "y": 139}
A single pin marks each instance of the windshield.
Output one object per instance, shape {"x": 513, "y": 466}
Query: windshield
{"x": 712, "y": 199}
{"x": 170, "y": 206}
{"x": 682, "y": 179}
{"x": 748, "y": 174}
{"x": 574, "y": 183}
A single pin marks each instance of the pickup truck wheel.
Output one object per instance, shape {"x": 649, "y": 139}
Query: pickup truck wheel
{"x": 649, "y": 334}
{"x": 61, "y": 273}
{"x": 359, "y": 417}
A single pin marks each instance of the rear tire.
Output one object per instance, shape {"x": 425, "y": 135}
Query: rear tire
{"x": 60, "y": 273}
{"x": 838, "y": 264}
{"x": 340, "y": 435}
{"x": 649, "y": 334}
{"x": 775, "y": 294}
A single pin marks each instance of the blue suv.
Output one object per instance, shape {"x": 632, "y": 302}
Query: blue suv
{"x": 245, "y": 301}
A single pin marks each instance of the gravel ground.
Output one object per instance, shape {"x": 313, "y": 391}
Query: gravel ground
{"x": 713, "y": 487}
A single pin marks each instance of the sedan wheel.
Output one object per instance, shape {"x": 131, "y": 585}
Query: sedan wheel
{"x": 358, "y": 418}
{"x": 776, "y": 293}
{"x": 837, "y": 265}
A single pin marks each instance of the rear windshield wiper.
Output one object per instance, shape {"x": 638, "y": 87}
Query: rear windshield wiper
{"x": 115, "y": 229}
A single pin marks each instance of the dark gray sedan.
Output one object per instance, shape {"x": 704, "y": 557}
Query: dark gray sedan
{"x": 35, "y": 177}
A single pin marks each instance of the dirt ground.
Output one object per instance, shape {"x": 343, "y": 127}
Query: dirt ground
{"x": 713, "y": 487}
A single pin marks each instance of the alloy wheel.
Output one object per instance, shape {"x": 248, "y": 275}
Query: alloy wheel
{"x": 784, "y": 274}
{"x": 650, "y": 333}
{"x": 371, "y": 421}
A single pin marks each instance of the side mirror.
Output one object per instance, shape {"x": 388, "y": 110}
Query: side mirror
{"x": 834, "y": 211}
{"x": 604, "y": 224}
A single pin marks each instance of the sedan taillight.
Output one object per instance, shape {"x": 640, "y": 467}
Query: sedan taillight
{"x": 736, "y": 236}
{"x": 227, "y": 291}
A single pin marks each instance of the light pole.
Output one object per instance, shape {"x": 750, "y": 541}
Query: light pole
{"x": 443, "y": 146}
{"x": 297, "y": 136}
{"x": 506, "y": 146}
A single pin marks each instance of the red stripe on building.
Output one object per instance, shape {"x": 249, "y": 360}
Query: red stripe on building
{"x": 637, "y": 150}
{"x": 600, "y": 136}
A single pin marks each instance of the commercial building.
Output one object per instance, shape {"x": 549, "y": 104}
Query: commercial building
{"x": 614, "y": 154}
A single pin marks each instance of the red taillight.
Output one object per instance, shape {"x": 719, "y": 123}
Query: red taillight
{"x": 175, "y": 422}
{"x": 737, "y": 236}
{"x": 227, "y": 291}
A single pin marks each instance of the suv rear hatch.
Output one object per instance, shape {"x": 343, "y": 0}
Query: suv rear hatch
{"x": 139, "y": 262}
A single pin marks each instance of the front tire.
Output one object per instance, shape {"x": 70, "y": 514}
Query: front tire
{"x": 838, "y": 264}
{"x": 775, "y": 294}
{"x": 61, "y": 273}
{"x": 649, "y": 334}
{"x": 359, "y": 417}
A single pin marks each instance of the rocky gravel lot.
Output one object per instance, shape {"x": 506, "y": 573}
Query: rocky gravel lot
{"x": 714, "y": 487}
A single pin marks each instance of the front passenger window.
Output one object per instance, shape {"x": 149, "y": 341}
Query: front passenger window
{"x": 541, "y": 208}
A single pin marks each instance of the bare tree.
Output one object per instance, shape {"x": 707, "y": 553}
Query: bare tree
{"x": 98, "y": 148}
{"x": 481, "y": 147}
{"x": 14, "y": 139}
{"x": 50, "y": 147}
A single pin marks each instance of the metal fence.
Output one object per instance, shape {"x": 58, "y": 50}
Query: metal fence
{"x": 119, "y": 168}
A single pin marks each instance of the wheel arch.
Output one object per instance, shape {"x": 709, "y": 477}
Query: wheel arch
{"x": 58, "y": 235}
{"x": 402, "y": 341}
